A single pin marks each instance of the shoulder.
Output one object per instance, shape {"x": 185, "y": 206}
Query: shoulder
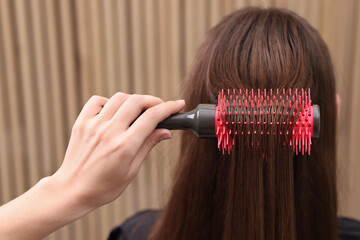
{"x": 136, "y": 227}
{"x": 139, "y": 226}
{"x": 349, "y": 229}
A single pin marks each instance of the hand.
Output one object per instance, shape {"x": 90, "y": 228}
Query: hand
{"x": 103, "y": 156}
{"x": 104, "y": 152}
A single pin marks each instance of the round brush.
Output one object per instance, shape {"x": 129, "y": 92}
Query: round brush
{"x": 256, "y": 113}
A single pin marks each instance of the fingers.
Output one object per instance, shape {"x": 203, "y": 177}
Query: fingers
{"x": 155, "y": 137}
{"x": 147, "y": 122}
{"x": 132, "y": 108}
{"x": 92, "y": 107}
{"x": 112, "y": 105}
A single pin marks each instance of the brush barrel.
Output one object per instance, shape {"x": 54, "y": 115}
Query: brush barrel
{"x": 316, "y": 121}
{"x": 256, "y": 112}
{"x": 200, "y": 121}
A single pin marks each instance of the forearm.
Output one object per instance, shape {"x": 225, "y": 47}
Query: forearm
{"x": 40, "y": 211}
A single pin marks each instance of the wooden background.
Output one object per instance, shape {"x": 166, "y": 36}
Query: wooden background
{"x": 55, "y": 54}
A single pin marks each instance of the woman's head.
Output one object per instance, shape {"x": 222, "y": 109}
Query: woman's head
{"x": 249, "y": 195}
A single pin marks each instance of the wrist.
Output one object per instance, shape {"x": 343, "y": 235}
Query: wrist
{"x": 44, "y": 208}
{"x": 67, "y": 201}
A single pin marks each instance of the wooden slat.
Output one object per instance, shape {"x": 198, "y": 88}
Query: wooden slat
{"x": 342, "y": 59}
{"x": 138, "y": 38}
{"x": 353, "y": 208}
{"x": 228, "y": 6}
{"x": 82, "y": 47}
{"x": 29, "y": 92}
{"x": 43, "y": 87}
{"x": 5, "y": 181}
{"x": 125, "y": 64}
{"x": 15, "y": 97}
{"x": 109, "y": 26}
{"x": 291, "y": 5}
{"x": 4, "y": 158}
{"x": 96, "y": 47}
{"x": 190, "y": 32}
{"x": 203, "y": 18}
{"x": 68, "y": 58}
{"x": 240, "y": 4}
{"x": 55, "y": 80}
{"x": 215, "y": 12}
{"x": 313, "y": 11}
{"x": 165, "y": 67}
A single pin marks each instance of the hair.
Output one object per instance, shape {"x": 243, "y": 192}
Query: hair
{"x": 244, "y": 195}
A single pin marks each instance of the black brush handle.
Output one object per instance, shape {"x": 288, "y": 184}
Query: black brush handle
{"x": 200, "y": 121}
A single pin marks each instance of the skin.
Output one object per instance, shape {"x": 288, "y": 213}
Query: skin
{"x": 103, "y": 156}
{"x": 338, "y": 103}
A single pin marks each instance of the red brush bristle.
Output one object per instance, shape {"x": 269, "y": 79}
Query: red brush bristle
{"x": 254, "y": 113}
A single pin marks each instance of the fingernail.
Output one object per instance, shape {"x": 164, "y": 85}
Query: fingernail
{"x": 180, "y": 101}
{"x": 165, "y": 137}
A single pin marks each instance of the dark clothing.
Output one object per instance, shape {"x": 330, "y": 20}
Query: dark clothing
{"x": 139, "y": 226}
{"x": 349, "y": 229}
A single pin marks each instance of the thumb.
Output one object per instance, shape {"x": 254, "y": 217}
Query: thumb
{"x": 154, "y": 138}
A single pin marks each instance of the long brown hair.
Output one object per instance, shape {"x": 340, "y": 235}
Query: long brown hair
{"x": 244, "y": 195}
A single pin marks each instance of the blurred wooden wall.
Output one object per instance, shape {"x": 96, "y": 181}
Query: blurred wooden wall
{"x": 55, "y": 54}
